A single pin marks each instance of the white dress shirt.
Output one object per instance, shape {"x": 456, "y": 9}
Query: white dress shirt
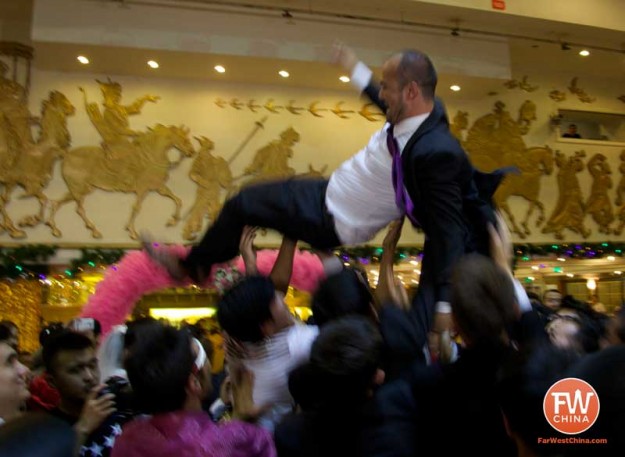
{"x": 360, "y": 194}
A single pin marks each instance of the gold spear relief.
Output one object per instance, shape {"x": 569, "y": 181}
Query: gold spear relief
{"x": 253, "y": 106}
{"x": 294, "y": 109}
{"x": 340, "y": 112}
{"x": 272, "y": 107}
{"x": 368, "y": 110}
{"x": 369, "y": 114}
{"x": 312, "y": 109}
{"x": 236, "y": 104}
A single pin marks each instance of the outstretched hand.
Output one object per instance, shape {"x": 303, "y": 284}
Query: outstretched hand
{"x": 501, "y": 244}
{"x": 247, "y": 250}
{"x": 344, "y": 56}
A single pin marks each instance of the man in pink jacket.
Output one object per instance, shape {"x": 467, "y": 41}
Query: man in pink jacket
{"x": 170, "y": 376}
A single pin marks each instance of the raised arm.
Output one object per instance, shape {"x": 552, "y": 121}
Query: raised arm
{"x": 283, "y": 268}
{"x": 360, "y": 74}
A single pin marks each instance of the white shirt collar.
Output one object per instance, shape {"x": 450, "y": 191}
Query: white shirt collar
{"x": 408, "y": 125}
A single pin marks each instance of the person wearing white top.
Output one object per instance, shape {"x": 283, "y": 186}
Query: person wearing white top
{"x": 264, "y": 336}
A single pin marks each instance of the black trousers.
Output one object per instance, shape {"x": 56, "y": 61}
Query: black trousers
{"x": 294, "y": 207}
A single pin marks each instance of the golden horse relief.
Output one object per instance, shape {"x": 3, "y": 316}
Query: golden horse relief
{"x": 598, "y": 204}
{"x": 30, "y": 167}
{"x": 570, "y": 210}
{"x": 112, "y": 124}
{"x": 146, "y": 169}
{"x": 496, "y": 140}
{"x": 212, "y": 175}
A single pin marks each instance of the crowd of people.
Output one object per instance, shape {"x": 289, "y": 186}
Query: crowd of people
{"x": 464, "y": 367}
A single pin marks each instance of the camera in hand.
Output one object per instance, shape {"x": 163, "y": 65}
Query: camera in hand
{"x": 120, "y": 387}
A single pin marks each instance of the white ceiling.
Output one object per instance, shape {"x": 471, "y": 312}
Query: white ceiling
{"x": 540, "y": 51}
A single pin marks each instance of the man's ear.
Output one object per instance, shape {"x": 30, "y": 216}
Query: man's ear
{"x": 413, "y": 90}
{"x": 193, "y": 387}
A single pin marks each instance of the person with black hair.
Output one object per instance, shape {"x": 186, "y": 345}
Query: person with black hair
{"x": 265, "y": 337}
{"x": 170, "y": 374}
{"x": 88, "y": 326}
{"x": 72, "y": 368}
{"x": 344, "y": 370}
{"x": 37, "y": 435}
{"x": 521, "y": 387}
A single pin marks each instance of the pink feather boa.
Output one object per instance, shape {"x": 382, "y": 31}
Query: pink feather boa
{"x": 136, "y": 274}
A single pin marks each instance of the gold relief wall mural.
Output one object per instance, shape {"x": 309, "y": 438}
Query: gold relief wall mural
{"x": 598, "y": 204}
{"x": 557, "y": 95}
{"x": 25, "y": 162}
{"x": 459, "y": 124}
{"x": 213, "y": 176}
{"x": 126, "y": 160}
{"x": 138, "y": 161}
{"x": 620, "y": 196}
{"x": 522, "y": 84}
{"x": 496, "y": 140}
{"x": 570, "y": 210}
{"x": 527, "y": 115}
{"x": 581, "y": 93}
{"x": 146, "y": 169}
{"x": 272, "y": 161}
{"x": 367, "y": 110}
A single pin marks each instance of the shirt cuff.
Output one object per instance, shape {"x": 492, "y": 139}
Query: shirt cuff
{"x": 521, "y": 297}
{"x": 361, "y": 76}
{"x": 443, "y": 307}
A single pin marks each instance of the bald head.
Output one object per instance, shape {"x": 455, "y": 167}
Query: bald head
{"x": 416, "y": 66}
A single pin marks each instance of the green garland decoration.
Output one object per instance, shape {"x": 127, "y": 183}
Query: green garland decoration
{"x": 31, "y": 260}
{"x": 25, "y": 260}
{"x": 93, "y": 257}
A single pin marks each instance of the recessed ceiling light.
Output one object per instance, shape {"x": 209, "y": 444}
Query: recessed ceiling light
{"x": 455, "y": 87}
{"x": 220, "y": 69}
{"x": 284, "y": 73}
{"x": 618, "y": 272}
{"x": 344, "y": 79}
{"x": 152, "y": 64}
{"x": 584, "y": 53}
{"x": 83, "y": 60}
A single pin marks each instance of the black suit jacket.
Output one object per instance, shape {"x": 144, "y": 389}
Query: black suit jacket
{"x": 452, "y": 200}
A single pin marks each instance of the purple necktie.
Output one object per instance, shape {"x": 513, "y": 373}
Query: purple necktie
{"x": 402, "y": 199}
